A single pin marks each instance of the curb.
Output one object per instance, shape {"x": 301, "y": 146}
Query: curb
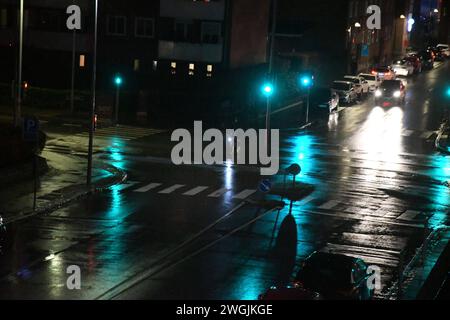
{"x": 444, "y": 149}
{"x": 75, "y": 192}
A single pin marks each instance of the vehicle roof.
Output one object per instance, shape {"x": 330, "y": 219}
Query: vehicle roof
{"x": 342, "y": 81}
{"x": 331, "y": 258}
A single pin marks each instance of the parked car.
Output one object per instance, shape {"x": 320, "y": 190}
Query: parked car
{"x": 390, "y": 93}
{"x": 427, "y": 57}
{"x": 415, "y": 61}
{"x": 361, "y": 85}
{"x": 289, "y": 293}
{"x": 372, "y": 80}
{"x": 444, "y": 49}
{"x": 345, "y": 90}
{"x": 335, "y": 276}
{"x": 383, "y": 73}
{"x": 438, "y": 54}
{"x": 403, "y": 68}
{"x": 325, "y": 98}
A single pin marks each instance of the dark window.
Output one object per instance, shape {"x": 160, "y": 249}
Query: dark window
{"x": 116, "y": 25}
{"x": 145, "y": 28}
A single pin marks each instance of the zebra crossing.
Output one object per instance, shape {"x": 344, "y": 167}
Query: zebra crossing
{"x": 184, "y": 190}
{"x": 126, "y": 133}
{"x": 324, "y": 207}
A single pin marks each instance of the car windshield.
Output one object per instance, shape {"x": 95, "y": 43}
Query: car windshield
{"x": 341, "y": 86}
{"x": 390, "y": 85}
{"x": 369, "y": 77}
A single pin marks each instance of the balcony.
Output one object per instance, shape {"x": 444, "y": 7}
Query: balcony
{"x": 188, "y": 9}
{"x": 194, "y": 52}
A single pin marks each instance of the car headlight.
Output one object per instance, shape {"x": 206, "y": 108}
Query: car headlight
{"x": 378, "y": 93}
{"x": 397, "y": 94}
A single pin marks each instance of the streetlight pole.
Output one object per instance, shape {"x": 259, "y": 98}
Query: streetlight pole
{"x": 17, "y": 111}
{"x": 94, "y": 80}
{"x": 118, "y": 81}
{"x": 307, "y": 105}
{"x": 72, "y": 84}
{"x": 272, "y": 48}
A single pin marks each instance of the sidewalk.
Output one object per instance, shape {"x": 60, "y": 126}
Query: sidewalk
{"x": 65, "y": 182}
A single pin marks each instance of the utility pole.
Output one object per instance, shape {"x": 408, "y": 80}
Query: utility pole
{"x": 18, "y": 105}
{"x": 94, "y": 80}
{"x": 72, "y": 82}
{"x": 272, "y": 48}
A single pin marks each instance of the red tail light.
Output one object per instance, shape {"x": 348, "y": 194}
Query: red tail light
{"x": 374, "y": 72}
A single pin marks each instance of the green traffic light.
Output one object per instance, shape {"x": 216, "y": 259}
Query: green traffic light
{"x": 447, "y": 92}
{"x": 267, "y": 89}
{"x": 118, "y": 80}
{"x": 306, "y": 80}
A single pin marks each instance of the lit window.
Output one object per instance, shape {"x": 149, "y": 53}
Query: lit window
{"x": 209, "y": 68}
{"x": 3, "y": 18}
{"x": 155, "y": 65}
{"x": 191, "y": 66}
{"x": 82, "y": 61}
{"x": 173, "y": 65}
{"x": 136, "y": 65}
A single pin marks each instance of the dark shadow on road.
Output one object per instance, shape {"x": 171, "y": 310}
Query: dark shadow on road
{"x": 285, "y": 249}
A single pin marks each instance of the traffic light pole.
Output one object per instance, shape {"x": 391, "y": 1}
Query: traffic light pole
{"x": 117, "y": 105}
{"x": 307, "y": 105}
{"x": 94, "y": 80}
{"x": 72, "y": 83}
{"x": 272, "y": 48}
{"x": 17, "y": 111}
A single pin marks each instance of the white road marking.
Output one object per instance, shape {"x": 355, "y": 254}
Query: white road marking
{"x": 427, "y": 134}
{"x": 307, "y": 199}
{"x": 195, "y": 191}
{"x": 148, "y": 187}
{"x": 244, "y": 194}
{"x": 172, "y": 189}
{"x": 218, "y": 193}
{"x": 124, "y": 186}
{"x": 329, "y": 205}
{"x": 409, "y": 215}
{"x": 345, "y": 216}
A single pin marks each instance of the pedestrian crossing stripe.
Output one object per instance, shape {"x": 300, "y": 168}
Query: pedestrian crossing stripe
{"x": 171, "y": 189}
{"x": 124, "y": 132}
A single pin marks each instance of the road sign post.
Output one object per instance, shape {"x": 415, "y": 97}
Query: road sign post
{"x": 30, "y": 133}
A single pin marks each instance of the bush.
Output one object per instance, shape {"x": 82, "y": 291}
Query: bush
{"x": 14, "y": 150}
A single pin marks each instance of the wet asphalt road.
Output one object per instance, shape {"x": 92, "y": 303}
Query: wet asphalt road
{"x": 378, "y": 193}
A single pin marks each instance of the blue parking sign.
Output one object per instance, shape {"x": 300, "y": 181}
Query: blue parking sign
{"x": 30, "y": 129}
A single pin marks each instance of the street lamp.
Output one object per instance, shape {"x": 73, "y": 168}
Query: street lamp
{"x": 306, "y": 81}
{"x": 18, "y": 105}
{"x": 118, "y": 82}
{"x": 94, "y": 82}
